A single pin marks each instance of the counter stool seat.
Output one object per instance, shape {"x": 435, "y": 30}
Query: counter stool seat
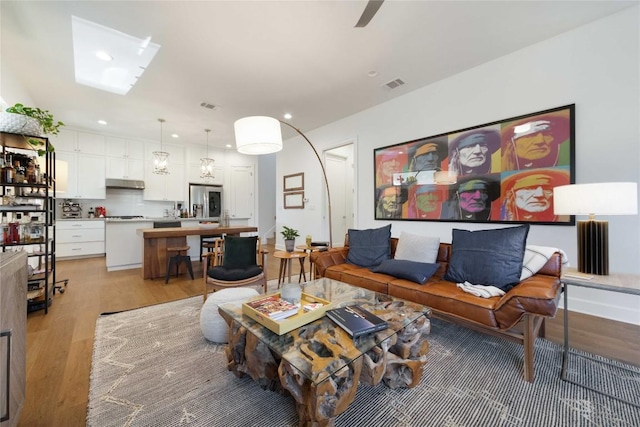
{"x": 178, "y": 259}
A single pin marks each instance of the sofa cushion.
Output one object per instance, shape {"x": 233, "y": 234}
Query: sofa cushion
{"x": 368, "y": 248}
{"x": 488, "y": 257}
{"x": 413, "y": 247}
{"x": 418, "y": 272}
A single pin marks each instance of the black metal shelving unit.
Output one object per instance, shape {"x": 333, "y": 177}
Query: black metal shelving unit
{"x": 42, "y": 281}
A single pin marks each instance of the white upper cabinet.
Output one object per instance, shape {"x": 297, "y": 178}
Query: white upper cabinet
{"x": 86, "y": 175}
{"x": 197, "y": 152}
{"x": 79, "y": 142}
{"x": 176, "y": 152}
{"x": 164, "y": 187}
{"x": 124, "y": 159}
{"x": 120, "y": 147}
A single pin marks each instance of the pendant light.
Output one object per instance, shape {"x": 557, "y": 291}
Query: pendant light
{"x": 160, "y": 161}
{"x": 206, "y": 166}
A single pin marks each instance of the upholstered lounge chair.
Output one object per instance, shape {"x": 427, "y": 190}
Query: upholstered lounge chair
{"x": 237, "y": 261}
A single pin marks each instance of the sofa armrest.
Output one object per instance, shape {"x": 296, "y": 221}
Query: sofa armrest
{"x": 537, "y": 295}
{"x": 323, "y": 260}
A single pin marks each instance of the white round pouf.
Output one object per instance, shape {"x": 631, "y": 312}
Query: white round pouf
{"x": 213, "y": 326}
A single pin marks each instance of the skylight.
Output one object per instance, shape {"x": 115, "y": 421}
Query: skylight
{"x": 130, "y": 56}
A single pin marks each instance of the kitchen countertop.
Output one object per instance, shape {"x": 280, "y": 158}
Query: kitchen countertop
{"x": 145, "y": 219}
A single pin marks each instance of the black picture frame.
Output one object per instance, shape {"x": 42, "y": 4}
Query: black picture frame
{"x": 504, "y": 172}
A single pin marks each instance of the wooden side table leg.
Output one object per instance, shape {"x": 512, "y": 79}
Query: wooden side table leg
{"x": 289, "y": 267}
{"x": 302, "y": 273}
{"x": 281, "y": 271}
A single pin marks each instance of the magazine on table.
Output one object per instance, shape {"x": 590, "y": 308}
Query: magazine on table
{"x": 356, "y": 321}
{"x": 274, "y": 307}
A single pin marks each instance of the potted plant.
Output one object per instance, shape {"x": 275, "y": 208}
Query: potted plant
{"x": 289, "y": 235}
{"x": 31, "y": 123}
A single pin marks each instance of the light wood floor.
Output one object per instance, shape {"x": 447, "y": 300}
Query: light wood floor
{"x": 60, "y": 344}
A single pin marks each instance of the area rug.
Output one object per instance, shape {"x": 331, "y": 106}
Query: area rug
{"x": 152, "y": 367}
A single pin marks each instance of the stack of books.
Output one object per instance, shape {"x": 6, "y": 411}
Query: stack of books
{"x": 274, "y": 307}
{"x": 356, "y": 320}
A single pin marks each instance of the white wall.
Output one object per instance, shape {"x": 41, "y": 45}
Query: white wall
{"x": 266, "y": 196}
{"x": 595, "y": 66}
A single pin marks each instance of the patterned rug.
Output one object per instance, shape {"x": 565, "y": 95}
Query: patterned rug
{"x": 152, "y": 367}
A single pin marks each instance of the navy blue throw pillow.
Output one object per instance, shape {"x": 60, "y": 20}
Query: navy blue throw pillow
{"x": 488, "y": 257}
{"x": 368, "y": 248}
{"x": 418, "y": 272}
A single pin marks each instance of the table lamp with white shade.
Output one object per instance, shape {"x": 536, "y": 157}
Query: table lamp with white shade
{"x": 606, "y": 198}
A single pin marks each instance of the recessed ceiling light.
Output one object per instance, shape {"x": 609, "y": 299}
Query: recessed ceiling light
{"x": 175, "y": 135}
{"x": 228, "y": 145}
{"x": 102, "y": 122}
{"x": 101, "y": 54}
{"x": 287, "y": 116}
{"x": 372, "y": 73}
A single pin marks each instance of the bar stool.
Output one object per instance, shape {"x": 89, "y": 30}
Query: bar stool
{"x": 208, "y": 242}
{"x": 181, "y": 252}
{"x": 178, "y": 259}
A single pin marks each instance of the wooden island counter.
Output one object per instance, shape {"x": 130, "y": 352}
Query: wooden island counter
{"x": 156, "y": 241}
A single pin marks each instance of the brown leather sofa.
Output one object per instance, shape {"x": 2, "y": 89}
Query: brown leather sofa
{"x": 517, "y": 316}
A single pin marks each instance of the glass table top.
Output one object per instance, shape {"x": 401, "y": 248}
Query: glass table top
{"x": 346, "y": 349}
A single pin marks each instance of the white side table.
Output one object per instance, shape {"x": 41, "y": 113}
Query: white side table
{"x": 621, "y": 283}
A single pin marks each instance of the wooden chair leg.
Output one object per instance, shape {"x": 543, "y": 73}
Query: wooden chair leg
{"x": 528, "y": 344}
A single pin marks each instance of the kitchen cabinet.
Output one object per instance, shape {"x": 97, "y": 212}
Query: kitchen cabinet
{"x": 169, "y": 187}
{"x": 78, "y": 238}
{"x": 123, "y": 244}
{"x": 240, "y": 198}
{"x": 165, "y": 187}
{"x": 194, "y": 154}
{"x": 121, "y": 168}
{"x": 86, "y": 175}
{"x": 125, "y": 159}
{"x": 193, "y": 171}
{"x": 13, "y": 335}
{"x": 79, "y": 142}
{"x": 124, "y": 148}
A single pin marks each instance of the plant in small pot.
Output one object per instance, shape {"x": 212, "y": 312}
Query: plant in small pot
{"x": 289, "y": 235}
{"x": 31, "y": 123}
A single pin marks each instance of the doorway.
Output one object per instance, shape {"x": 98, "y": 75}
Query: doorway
{"x": 340, "y": 166}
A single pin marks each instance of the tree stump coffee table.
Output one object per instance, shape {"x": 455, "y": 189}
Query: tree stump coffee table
{"x": 319, "y": 364}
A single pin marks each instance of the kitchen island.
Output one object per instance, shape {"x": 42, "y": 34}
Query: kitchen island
{"x": 156, "y": 241}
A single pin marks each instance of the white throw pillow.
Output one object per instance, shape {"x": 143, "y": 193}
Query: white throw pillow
{"x": 413, "y": 247}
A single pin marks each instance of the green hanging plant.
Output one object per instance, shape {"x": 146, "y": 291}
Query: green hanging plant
{"x": 46, "y": 121}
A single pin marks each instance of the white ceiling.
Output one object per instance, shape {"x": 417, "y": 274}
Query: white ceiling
{"x": 267, "y": 57}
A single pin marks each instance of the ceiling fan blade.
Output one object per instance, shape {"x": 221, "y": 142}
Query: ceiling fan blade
{"x": 369, "y": 12}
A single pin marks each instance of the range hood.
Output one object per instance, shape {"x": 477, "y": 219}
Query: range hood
{"x": 131, "y": 184}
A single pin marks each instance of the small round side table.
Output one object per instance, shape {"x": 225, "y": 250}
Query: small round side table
{"x": 308, "y": 250}
{"x": 285, "y": 264}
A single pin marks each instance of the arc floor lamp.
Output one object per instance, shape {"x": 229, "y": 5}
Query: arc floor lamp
{"x": 257, "y": 135}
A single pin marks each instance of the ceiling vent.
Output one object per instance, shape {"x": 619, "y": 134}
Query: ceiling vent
{"x": 210, "y": 106}
{"x": 394, "y": 83}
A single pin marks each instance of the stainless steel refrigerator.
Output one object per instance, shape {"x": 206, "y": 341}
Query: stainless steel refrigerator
{"x": 205, "y": 201}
